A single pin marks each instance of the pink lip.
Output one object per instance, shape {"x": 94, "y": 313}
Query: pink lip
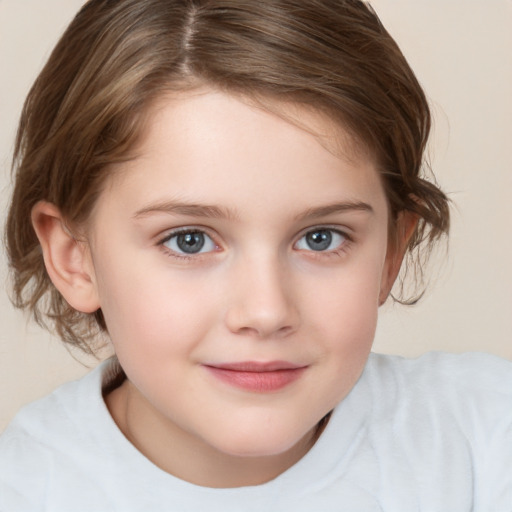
{"x": 256, "y": 376}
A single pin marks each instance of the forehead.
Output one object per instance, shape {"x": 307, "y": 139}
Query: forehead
{"x": 223, "y": 147}
{"x": 331, "y": 133}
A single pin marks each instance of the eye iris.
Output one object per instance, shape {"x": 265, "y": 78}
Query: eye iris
{"x": 319, "y": 240}
{"x": 190, "y": 242}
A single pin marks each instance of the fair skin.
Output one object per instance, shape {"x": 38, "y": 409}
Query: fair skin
{"x": 239, "y": 261}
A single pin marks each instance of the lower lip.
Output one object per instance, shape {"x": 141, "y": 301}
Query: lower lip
{"x": 258, "y": 381}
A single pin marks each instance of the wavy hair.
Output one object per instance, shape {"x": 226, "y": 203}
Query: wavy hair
{"x": 86, "y": 110}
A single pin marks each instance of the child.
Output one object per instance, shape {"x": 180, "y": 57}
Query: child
{"x": 226, "y": 191}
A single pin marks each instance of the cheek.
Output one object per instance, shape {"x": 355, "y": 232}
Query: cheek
{"x": 150, "y": 310}
{"x": 349, "y": 322}
{"x": 345, "y": 312}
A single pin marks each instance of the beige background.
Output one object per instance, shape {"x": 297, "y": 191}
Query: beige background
{"x": 461, "y": 51}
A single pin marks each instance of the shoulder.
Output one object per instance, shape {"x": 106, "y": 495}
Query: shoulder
{"x": 472, "y": 373}
{"x": 43, "y": 436}
{"x": 448, "y": 412}
{"x": 474, "y": 389}
{"x": 44, "y": 419}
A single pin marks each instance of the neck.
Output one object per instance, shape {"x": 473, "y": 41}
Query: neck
{"x": 181, "y": 454}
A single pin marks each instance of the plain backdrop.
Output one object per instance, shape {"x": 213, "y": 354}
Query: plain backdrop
{"x": 461, "y": 51}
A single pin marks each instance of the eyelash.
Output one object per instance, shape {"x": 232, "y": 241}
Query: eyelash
{"x": 312, "y": 253}
{"x": 338, "y": 251}
{"x": 183, "y": 231}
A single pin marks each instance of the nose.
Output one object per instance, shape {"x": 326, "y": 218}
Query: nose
{"x": 261, "y": 300}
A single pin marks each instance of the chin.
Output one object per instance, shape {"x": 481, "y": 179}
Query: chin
{"x": 264, "y": 443}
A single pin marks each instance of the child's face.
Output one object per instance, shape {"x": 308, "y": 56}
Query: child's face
{"x": 238, "y": 243}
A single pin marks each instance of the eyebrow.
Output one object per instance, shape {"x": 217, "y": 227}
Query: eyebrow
{"x": 329, "y": 209}
{"x": 188, "y": 209}
{"x": 217, "y": 212}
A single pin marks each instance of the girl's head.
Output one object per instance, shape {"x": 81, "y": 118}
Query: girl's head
{"x": 89, "y": 111}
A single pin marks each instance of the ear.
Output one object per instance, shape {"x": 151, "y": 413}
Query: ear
{"x": 405, "y": 226}
{"x": 67, "y": 260}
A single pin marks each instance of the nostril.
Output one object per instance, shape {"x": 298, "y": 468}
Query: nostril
{"x": 262, "y": 324}
{"x": 262, "y": 302}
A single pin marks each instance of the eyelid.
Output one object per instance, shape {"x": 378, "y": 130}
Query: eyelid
{"x": 173, "y": 232}
{"x": 193, "y": 228}
{"x": 343, "y": 232}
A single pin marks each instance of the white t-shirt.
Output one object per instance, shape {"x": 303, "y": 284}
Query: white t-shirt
{"x": 432, "y": 434}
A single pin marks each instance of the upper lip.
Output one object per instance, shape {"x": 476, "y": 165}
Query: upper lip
{"x": 256, "y": 366}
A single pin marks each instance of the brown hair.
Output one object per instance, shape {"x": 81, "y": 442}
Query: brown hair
{"x": 86, "y": 109}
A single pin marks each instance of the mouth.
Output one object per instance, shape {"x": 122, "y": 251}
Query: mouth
{"x": 257, "y": 376}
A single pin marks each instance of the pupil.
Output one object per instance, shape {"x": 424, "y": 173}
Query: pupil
{"x": 190, "y": 242}
{"x": 319, "y": 240}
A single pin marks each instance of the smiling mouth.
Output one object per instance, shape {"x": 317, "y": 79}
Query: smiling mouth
{"x": 257, "y": 377}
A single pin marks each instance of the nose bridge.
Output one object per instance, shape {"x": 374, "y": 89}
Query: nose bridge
{"x": 262, "y": 302}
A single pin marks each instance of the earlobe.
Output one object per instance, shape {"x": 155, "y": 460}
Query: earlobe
{"x": 405, "y": 226}
{"x": 67, "y": 260}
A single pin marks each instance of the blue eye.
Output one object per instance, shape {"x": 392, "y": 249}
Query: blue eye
{"x": 321, "y": 239}
{"x": 189, "y": 242}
